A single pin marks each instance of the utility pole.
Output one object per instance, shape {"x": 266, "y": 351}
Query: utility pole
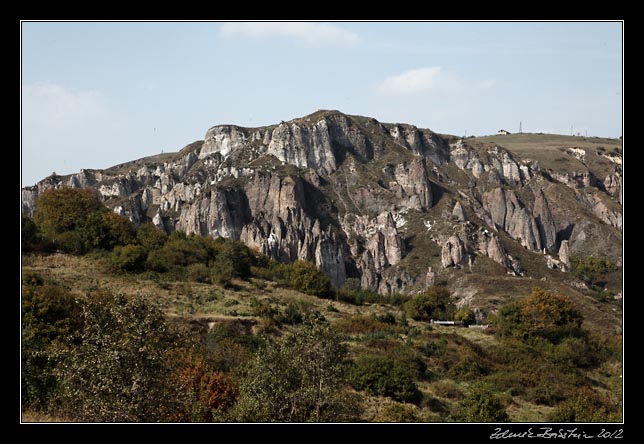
{"x": 571, "y": 130}
{"x": 520, "y": 130}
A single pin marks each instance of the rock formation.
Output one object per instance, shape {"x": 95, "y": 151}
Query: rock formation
{"x": 365, "y": 199}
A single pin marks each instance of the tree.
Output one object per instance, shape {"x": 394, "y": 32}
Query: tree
{"x": 306, "y": 277}
{"x": 301, "y": 378}
{"x": 234, "y": 256}
{"x": 77, "y": 221}
{"x": 150, "y": 237}
{"x": 540, "y": 315}
{"x": 118, "y": 370}
{"x": 384, "y": 376}
{"x": 435, "y": 303}
{"x": 49, "y": 315}
{"x": 28, "y": 233}
{"x": 205, "y": 391}
{"x": 481, "y": 405}
{"x": 128, "y": 258}
{"x": 465, "y": 315}
{"x": 61, "y": 210}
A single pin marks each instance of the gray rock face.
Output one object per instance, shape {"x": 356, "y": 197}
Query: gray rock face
{"x": 600, "y": 207}
{"x": 222, "y": 139}
{"x": 490, "y": 246}
{"x": 384, "y": 248}
{"x": 357, "y": 197}
{"x": 458, "y": 213}
{"x": 545, "y": 221}
{"x": 412, "y": 185}
{"x": 453, "y": 252}
{"x": 508, "y": 214}
{"x": 613, "y": 184}
{"x": 499, "y": 164}
{"x": 564, "y": 256}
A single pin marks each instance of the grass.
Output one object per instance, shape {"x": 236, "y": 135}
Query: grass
{"x": 548, "y": 148}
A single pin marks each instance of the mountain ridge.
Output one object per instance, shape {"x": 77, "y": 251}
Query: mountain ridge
{"x": 386, "y": 206}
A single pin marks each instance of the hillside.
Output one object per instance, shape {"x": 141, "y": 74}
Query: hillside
{"x": 390, "y": 206}
{"x": 322, "y": 249}
{"x": 453, "y": 361}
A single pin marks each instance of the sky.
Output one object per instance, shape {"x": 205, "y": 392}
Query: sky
{"x": 96, "y": 94}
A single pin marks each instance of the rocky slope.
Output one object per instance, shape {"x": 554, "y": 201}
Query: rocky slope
{"x": 392, "y": 206}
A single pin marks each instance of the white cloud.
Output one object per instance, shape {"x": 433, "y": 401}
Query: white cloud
{"x": 46, "y": 105}
{"x": 305, "y": 32}
{"x": 429, "y": 80}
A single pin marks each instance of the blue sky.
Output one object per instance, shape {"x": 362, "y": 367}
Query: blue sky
{"x": 98, "y": 94}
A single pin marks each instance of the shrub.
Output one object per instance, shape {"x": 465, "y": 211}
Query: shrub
{"x": 306, "y": 277}
{"x": 128, "y": 258}
{"x": 540, "y": 315}
{"x": 383, "y": 376}
{"x": 77, "y": 221}
{"x": 28, "y": 233}
{"x": 387, "y": 318}
{"x": 121, "y": 230}
{"x": 447, "y": 389}
{"x": 591, "y": 269}
{"x": 60, "y": 210}
{"x": 233, "y": 256}
{"x": 119, "y": 368}
{"x": 397, "y": 412}
{"x": 205, "y": 391}
{"x": 300, "y": 378}
{"x": 49, "y": 315}
{"x": 435, "y": 303}
{"x": 465, "y": 315}
{"x": 150, "y": 237}
{"x": 199, "y": 273}
{"x": 586, "y": 406}
{"x": 362, "y": 325}
{"x": 481, "y": 405}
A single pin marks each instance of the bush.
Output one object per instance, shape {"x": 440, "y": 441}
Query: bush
{"x": 234, "y": 256}
{"x": 199, "y": 273}
{"x": 586, "y": 406}
{"x": 129, "y": 258}
{"x": 362, "y": 325}
{"x": 28, "y": 233}
{"x": 49, "y": 315}
{"x": 221, "y": 273}
{"x": 540, "y": 315}
{"x": 206, "y": 392}
{"x": 306, "y": 277}
{"x": 590, "y": 269}
{"x": 465, "y": 315}
{"x": 449, "y": 390}
{"x": 435, "y": 303}
{"x": 383, "y": 376}
{"x": 481, "y": 405}
{"x": 300, "y": 378}
{"x": 118, "y": 370}
{"x": 77, "y": 221}
{"x": 150, "y": 237}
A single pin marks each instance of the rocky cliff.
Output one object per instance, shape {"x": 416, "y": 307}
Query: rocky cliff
{"x": 381, "y": 203}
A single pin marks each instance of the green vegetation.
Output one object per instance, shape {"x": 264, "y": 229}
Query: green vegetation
{"x": 300, "y": 378}
{"x": 481, "y": 405}
{"x": 385, "y": 376}
{"x": 435, "y": 303}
